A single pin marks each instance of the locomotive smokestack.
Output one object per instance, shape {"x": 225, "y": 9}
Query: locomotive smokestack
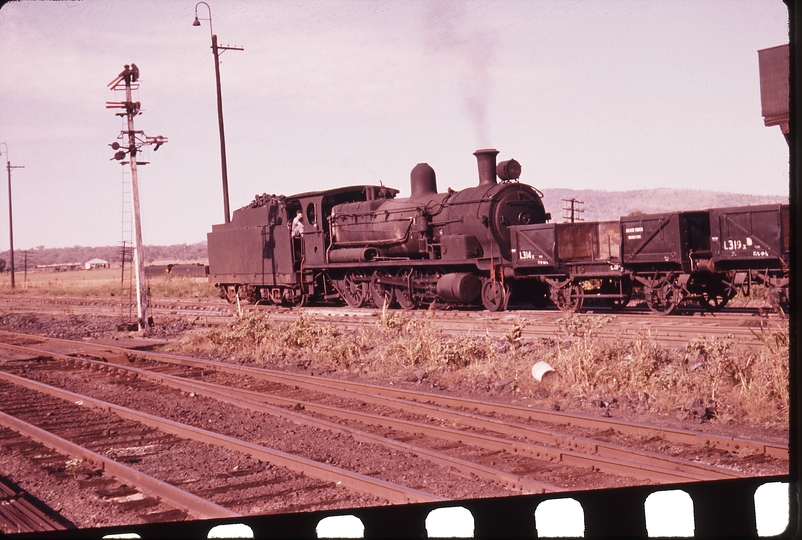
{"x": 422, "y": 181}
{"x": 486, "y": 160}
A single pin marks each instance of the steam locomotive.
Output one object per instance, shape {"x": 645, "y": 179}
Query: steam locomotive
{"x": 491, "y": 245}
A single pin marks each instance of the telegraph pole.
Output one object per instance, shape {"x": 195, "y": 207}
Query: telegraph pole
{"x": 571, "y": 210}
{"x": 9, "y": 166}
{"x": 136, "y": 139}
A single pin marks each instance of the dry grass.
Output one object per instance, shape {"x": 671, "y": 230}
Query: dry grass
{"x": 709, "y": 378}
{"x": 103, "y": 282}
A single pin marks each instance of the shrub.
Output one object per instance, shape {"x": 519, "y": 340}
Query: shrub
{"x": 710, "y": 374}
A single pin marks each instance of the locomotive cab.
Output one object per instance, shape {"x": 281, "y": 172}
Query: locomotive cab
{"x": 317, "y": 211}
{"x": 255, "y": 257}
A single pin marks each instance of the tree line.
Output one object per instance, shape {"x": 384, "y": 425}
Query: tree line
{"x": 42, "y": 256}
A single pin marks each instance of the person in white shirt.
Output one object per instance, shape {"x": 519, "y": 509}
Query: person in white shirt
{"x": 298, "y": 224}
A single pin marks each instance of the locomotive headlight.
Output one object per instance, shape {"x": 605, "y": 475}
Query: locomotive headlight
{"x": 508, "y": 170}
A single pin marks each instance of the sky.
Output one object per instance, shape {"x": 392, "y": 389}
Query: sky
{"x": 595, "y": 94}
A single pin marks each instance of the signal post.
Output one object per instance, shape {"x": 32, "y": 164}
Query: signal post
{"x": 126, "y": 80}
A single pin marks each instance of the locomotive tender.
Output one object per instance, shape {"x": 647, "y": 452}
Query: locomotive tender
{"x": 487, "y": 244}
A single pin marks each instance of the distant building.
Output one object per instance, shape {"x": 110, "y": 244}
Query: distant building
{"x": 59, "y": 267}
{"x": 96, "y": 263}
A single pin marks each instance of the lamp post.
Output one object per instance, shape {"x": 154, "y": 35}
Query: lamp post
{"x": 216, "y": 51}
{"x": 9, "y": 166}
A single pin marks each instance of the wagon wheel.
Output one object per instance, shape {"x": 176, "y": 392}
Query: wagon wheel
{"x": 664, "y": 299}
{"x": 731, "y": 288}
{"x": 249, "y": 294}
{"x": 716, "y": 295}
{"x": 403, "y": 295}
{"x": 228, "y": 293}
{"x": 231, "y": 294}
{"x": 778, "y": 298}
{"x": 714, "y": 301}
{"x": 568, "y": 298}
{"x": 495, "y": 296}
{"x": 383, "y": 295}
{"x": 353, "y": 292}
{"x": 714, "y": 292}
{"x": 293, "y": 299}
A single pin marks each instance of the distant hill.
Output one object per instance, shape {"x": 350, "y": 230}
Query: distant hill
{"x": 611, "y": 205}
{"x": 598, "y": 206}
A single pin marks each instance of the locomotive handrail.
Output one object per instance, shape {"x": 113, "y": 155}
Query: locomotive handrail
{"x": 335, "y": 217}
{"x": 447, "y": 222}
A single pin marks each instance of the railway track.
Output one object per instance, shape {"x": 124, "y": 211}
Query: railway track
{"x": 21, "y": 513}
{"x": 490, "y": 448}
{"x": 741, "y": 325}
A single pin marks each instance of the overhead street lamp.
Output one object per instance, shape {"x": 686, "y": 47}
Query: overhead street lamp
{"x": 216, "y": 51}
{"x": 9, "y": 166}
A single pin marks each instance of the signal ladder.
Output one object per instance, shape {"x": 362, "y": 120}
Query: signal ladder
{"x": 126, "y": 253}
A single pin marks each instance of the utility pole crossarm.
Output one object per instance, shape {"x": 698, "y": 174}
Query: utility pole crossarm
{"x": 229, "y": 48}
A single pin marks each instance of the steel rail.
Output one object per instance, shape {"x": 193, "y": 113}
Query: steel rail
{"x": 581, "y": 451}
{"x": 177, "y": 498}
{"x": 254, "y": 401}
{"x": 727, "y": 316}
{"x": 358, "y": 482}
{"x": 18, "y": 514}
{"x": 616, "y": 460}
{"x": 436, "y": 403}
{"x": 433, "y": 404}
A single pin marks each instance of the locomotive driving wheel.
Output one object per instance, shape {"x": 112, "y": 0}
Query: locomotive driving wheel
{"x": 383, "y": 295}
{"x": 495, "y": 295}
{"x": 353, "y": 290}
{"x": 403, "y": 295}
{"x": 568, "y": 298}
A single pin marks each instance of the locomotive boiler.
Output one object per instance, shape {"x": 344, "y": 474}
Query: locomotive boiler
{"x": 453, "y": 225}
